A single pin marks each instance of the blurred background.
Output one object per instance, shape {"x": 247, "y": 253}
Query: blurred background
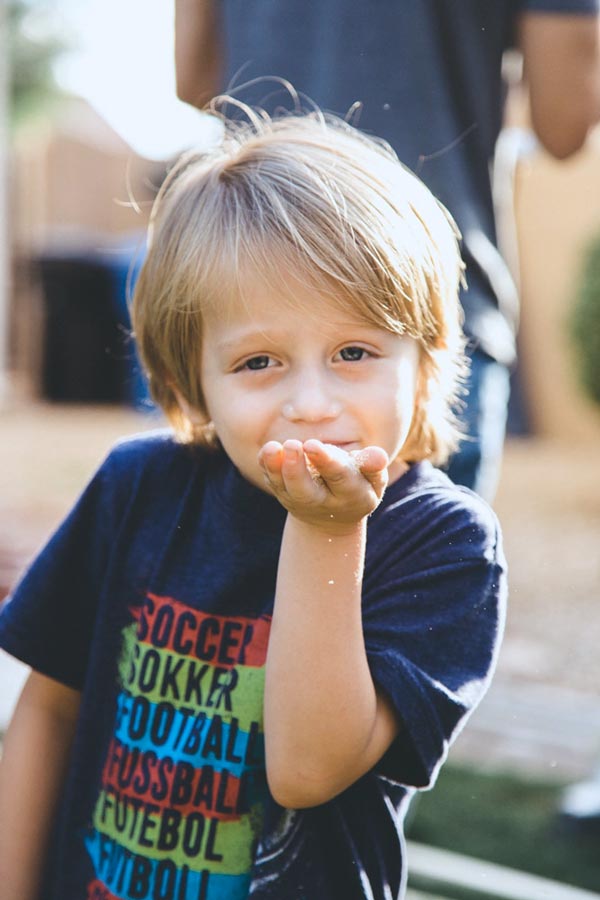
{"x": 88, "y": 125}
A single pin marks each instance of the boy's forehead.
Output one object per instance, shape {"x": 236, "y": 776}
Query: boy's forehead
{"x": 259, "y": 300}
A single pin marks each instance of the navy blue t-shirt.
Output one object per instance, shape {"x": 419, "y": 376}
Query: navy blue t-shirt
{"x": 154, "y": 598}
{"x": 427, "y": 74}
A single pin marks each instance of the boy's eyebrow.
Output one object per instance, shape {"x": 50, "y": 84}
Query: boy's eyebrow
{"x": 246, "y": 337}
{"x": 272, "y": 336}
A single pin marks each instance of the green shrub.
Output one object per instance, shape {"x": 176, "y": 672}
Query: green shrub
{"x": 585, "y": 321}
{"x": 504, "y": 818}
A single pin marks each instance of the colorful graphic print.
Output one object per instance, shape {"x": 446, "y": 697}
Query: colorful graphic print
{"x": 181, "y": 806}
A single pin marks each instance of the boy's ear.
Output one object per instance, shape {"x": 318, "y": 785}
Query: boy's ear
{"x": 193, "y": 415}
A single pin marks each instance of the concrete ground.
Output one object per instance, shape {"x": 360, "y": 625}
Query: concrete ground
{"x": 542, "y": 714}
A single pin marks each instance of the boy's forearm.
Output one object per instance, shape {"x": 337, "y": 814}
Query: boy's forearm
{"x": 32, "y": 769}
{"x": 324, "y": 723}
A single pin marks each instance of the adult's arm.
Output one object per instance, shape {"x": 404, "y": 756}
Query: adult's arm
{"x": 32, "y": 769}
{"x": 562, "y": 68}
{"x": 197, "y": 51}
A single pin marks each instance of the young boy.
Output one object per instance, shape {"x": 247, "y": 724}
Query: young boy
{"x": 256, "y": 635}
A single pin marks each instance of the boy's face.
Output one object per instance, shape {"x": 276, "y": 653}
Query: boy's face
{"x": 275, "y": 370}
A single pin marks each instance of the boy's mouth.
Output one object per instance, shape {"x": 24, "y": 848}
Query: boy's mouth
{"x": 332, "y": 442}
{"x": 341, "y": 445}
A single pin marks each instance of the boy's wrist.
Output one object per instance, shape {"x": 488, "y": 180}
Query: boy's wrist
{"x": 329, "y": 527}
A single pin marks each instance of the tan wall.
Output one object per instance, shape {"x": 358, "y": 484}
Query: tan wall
{"x": 77, "y": 180}
{"x": 557, "y": 210}
{"x": 74, "y": 184}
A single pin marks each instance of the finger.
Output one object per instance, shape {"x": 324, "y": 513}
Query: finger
{"x": 270, "y": 459}
{"x": 371, "y": 460}
{"x": 298, "y": 478}
{"x": 334, "y": 465}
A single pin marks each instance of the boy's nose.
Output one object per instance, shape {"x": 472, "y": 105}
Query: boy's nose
{"x": 311, "y": 401}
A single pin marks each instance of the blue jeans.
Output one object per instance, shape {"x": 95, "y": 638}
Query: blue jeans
{"x": 478, "y": 460}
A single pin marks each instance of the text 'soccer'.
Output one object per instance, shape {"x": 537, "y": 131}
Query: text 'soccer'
{"x": 183, "y": 791}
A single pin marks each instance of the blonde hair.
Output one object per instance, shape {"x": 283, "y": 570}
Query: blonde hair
{"x": 310, "y": 194}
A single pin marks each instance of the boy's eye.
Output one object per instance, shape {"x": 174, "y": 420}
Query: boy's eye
{"x": 352, "y": 354}
{"x": 257, "y": 362}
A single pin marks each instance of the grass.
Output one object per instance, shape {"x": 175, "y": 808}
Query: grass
{"x": 506, "y": 820}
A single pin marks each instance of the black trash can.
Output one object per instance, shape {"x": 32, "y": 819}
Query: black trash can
{"x": 87, "y": 353}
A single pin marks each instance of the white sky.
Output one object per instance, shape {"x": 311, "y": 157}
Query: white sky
{"x": 124, "y": 68}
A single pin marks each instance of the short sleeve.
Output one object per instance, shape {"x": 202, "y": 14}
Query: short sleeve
{"x": 47, "y": 621}
{"x": 433, "y": 615}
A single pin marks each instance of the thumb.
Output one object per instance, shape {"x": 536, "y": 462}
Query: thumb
{"x": 373, "y": 464}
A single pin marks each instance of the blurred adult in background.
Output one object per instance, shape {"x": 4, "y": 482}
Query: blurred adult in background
{"x": 428, "y": 76}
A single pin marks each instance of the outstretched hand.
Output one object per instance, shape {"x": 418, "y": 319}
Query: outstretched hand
{"x": 323, "y": 485}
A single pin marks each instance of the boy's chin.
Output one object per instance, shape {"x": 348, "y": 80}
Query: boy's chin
{"x": 256, "y": 479}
